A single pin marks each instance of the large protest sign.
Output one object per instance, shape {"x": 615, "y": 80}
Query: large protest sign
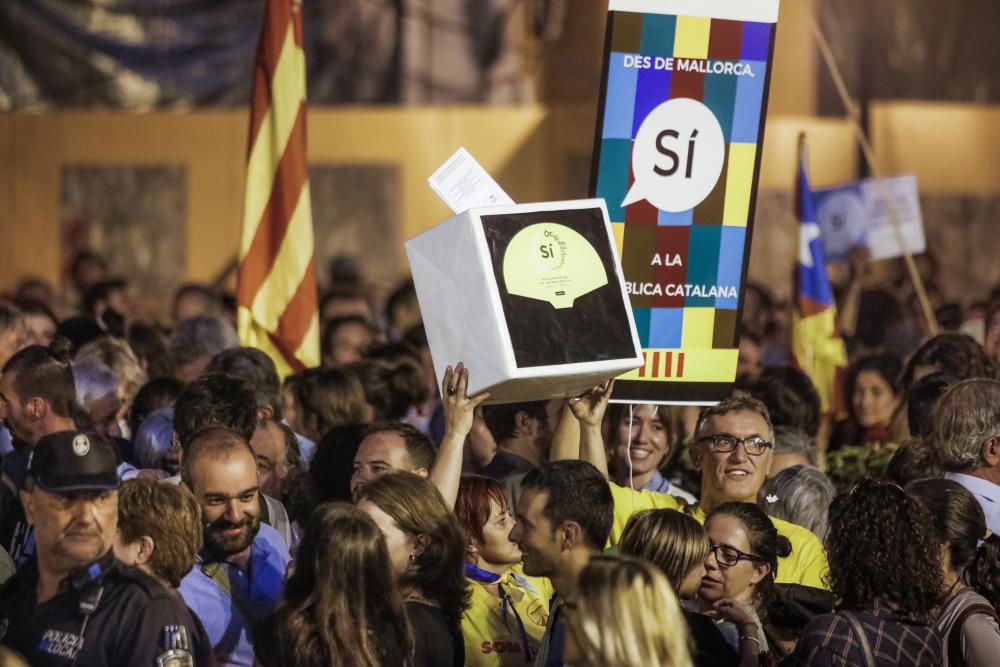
{"x": 676, "y": 158}
{"x": 530, "y": 297}
{"x": 857, "y": 213}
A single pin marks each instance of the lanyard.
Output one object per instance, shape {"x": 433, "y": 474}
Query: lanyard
{"x": 486, "y": 577}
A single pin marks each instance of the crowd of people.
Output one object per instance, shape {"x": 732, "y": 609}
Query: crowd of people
{"x": 168, "y": 499}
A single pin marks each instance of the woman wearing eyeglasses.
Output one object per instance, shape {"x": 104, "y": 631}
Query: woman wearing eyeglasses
{"x": 744, "y": 548}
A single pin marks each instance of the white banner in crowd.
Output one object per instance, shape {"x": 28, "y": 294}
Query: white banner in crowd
{"x": 856, "y": 214}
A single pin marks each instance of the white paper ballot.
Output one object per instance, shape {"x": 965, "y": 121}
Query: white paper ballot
{"x": 462, "y": 183}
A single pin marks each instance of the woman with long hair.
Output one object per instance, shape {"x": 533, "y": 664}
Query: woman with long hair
{"x": 426, "y": 549}
{"x": 342, "y": 605}
{"x": 626, "y": 615}
{"x": 885, "y": 572}
{"x": 970, "y": 564}
{"x": 872, "y": 392}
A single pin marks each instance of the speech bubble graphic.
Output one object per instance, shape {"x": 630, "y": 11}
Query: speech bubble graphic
{"x": 551, "y": 262}
{"x": 677, "y": 156}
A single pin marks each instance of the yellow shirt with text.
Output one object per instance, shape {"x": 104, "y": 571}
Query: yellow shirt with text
{"x": 806, "y": 565}
{"x": 489, "y": 639}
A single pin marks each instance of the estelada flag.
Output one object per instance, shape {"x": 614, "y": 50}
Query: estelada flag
{"x": 819, "y": 350}
{"x": 276, "y": 291}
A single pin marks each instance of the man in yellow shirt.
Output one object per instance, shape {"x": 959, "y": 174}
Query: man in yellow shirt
{"x": 733, "y": 450}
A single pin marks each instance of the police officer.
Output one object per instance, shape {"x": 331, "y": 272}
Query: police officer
{"x": 75, "y": 604}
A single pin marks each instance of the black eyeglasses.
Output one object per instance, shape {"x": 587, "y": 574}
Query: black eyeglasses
{"x": 729, "y": 556}
{"x": 724, "y": 442}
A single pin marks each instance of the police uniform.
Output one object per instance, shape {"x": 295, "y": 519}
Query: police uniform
{"x": 105, "y": 614}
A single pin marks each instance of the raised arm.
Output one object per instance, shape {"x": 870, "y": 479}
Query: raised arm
{"x": 458, "y": 414}
{"x": 589, "y": 410}
{"x": 566, "y": 438}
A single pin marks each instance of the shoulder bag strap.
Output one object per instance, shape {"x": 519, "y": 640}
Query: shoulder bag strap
{"x": 955, "y": 658}
{"x": 217, "y": 573}
{"x": 862, "y": 636}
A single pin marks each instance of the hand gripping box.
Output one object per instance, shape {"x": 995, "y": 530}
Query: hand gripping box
{"x": 529, "y": 296}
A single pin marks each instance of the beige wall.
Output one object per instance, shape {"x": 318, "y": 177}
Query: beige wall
{"x": 532, "y": 151}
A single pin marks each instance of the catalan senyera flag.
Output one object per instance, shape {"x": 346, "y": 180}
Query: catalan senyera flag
{"x": 276, "y": 290}
{"x": 818, "y": 347}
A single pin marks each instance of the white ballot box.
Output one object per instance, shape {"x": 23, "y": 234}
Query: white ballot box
{"x": 529, "y": 296}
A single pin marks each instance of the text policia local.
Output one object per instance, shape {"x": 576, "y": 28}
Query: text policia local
{"x": 631, "y": 61}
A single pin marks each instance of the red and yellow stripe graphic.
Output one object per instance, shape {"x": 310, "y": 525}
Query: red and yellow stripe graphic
{"x": 277, "y": 282}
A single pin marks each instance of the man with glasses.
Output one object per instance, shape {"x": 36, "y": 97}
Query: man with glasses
{"x": 733, "y": 450}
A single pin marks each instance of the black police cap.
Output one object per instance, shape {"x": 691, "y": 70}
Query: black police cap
{"x": 70, "y": 461}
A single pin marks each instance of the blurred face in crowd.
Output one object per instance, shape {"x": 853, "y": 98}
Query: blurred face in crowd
{"x": 348, "y": 344}
{"x": 40, "y": 330}
{"x": 873, "y": 400}
{"x": 535, "y": 535}
{"x": 74, "y": 529}
{"x": 346, "y": 306}
{"x": 229, "y": 494}
{"x": 400, "y": 544}
{"x": 736, "y": 475}
{"x": 379, "y": 454}
{"x": 749, "y": 361}
{"x": 104, "y": 413}
{"x": 730, "y": 574}
{"x": 193, "y": 369}
{"x": 646, "y": 445}
{"x": 268, "y": 444}
{"x": 12, "y": 339}
{"x": 15, "y": 414}
{"x": 496, "y": 547}
{"x": 692, "y": 582}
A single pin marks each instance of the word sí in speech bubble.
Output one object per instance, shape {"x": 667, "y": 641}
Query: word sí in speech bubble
{"x": 677, "y": 156}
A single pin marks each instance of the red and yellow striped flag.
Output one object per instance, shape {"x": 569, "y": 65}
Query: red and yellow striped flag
{"x": 277, "y": 282}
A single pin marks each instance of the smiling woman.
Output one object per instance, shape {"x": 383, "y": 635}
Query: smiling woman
{"x": 640, "y": 446}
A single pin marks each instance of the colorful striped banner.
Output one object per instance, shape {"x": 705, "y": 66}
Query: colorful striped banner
{"x": 276, "y": 290}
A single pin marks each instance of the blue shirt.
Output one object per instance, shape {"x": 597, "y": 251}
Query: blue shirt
{"x": 987, "y": 493}
{"x": 261, "y": 587}
{"x": 661, "y": 484}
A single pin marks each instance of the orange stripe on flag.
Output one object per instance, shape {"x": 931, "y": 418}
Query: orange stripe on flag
{"x": 656, "y": 364}
{"x": 272, "y": 36}
{"x": 645, "y": 360}
{"x": 295, "y": 321}
{"x": 668, "y": 365}
{"x": 680, "y": 364}
{"x": 271, "y": 228}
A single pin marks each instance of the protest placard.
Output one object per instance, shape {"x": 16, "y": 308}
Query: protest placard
{"x": 677, "y": 154}
{"x": 857, "y": 214}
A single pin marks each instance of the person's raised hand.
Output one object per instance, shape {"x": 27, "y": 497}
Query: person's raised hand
{"x": 589, "y": 407}
{"x": 459, "y": 408}
{"x": 732, "y": 611}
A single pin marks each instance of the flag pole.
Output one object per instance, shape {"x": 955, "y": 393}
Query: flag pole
{"x": 853, "y": 115}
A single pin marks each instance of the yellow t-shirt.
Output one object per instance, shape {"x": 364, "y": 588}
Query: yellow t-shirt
{"x": 489, "y": 640}
{"x": 806, "y": 565}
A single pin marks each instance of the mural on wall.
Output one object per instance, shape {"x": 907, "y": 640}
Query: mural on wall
{"x": 357, "y": 209}
{"x": 135, "y": 216}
